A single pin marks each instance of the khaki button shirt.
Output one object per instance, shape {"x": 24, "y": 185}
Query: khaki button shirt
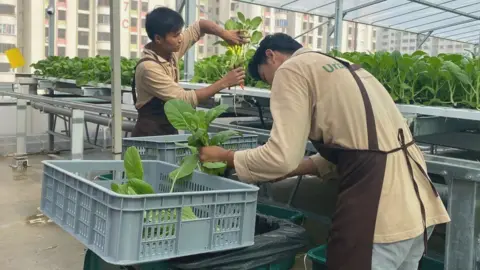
{"x": 314, "y": 96}
{"x": 161, "y": 81}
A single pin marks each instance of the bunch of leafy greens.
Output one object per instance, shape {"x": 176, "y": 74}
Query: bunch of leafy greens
{"x": 211, "y": 69}
{"x": 183, "y": 117}
{"x": 135, "y": 185}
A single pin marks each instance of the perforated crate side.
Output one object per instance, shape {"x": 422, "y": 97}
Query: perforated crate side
{"x": 126, "y": 230}
{"x": 163, "y": 148}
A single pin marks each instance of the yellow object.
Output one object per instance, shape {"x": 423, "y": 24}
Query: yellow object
{"x": 15, "y": 58}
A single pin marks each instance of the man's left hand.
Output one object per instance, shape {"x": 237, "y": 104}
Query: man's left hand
{"x": 213, "y": 154}
{"x": 235, "y": 37}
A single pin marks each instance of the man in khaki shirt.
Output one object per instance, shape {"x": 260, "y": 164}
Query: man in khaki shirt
{"x": 157, "y": 75}
{"x": 387, "y": 206}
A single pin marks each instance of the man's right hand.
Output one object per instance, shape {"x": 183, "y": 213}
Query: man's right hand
{"x": 234, "y": 77}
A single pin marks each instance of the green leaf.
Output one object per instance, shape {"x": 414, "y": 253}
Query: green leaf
{"x": 130, "y": 191}
{"x": 214, "y": 165}
{"x": 115, "y": 187}
{"x": 133, "y": 163}
{"x": 221, "y": 42}
{"x": 215, "y": 112}
{"x": 123, "y": 189}
{"x": 223, "y": 136}
{"x": 188, "y": 166}
{"x": 192, "y": 148}
{"x": 256, "y": 37}
{"x": 230, "y": 24}
{"x": 174, "y": 110}
{"x": 241, "y": 17}
{"x": 140, "y": 186}
{"x": 255, "y": 23}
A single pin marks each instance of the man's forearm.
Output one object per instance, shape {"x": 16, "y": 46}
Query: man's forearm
{"x": 306, "y": 167}
{"x": 209, "y": 91}
{"x": 211, "y": 28}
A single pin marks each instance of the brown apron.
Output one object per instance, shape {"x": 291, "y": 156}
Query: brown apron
{"x": 151, "y": 120}
{"x": 361, "y": 172}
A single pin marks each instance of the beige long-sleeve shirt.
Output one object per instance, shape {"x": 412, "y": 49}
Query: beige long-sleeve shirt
{"x": 313, "y": 96}
{"x": 161, "y": 81}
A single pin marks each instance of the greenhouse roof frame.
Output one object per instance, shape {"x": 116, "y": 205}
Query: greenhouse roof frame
{"x": 457, "y": 20}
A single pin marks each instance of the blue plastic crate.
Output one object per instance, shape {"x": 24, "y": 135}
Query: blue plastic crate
{"x": 163, "y": 148}
{"x": 128, "y": 230}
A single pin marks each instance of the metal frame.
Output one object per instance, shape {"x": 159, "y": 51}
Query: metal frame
{"x": 360, "y": 18}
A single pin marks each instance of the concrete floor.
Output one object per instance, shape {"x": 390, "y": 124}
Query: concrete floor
{"x": 28, "y": 242}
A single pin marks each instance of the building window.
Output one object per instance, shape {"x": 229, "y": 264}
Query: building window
{"x": 6, "y": 9}
{"x": 83, "y": 53}
{"x": 7, "y": 29}
{"x": 103, "y": 19}
{"x": 83, "y": 20}
{"x": 84, "y": 5}
{"x": 103, "y": 52}
{"x": 304, "y": 26}
{"x": 320, "y": 31}
{"x": 304, "y": 39}
{"x": 145, "y": 6}
{"x": 103, "y": 36}
{"x": 82, "y": 38}
{"x": 217, "y": 11}
{"x": 349, "y": 44}
{"x": 144, "y": 40}
{"x": 104, "y": 3}
{"x": 200, "y": 49}
{"x": 4, "y": 67}
{"x": 320, "y": 19}
{"x": 133, "y": 22}
{"x": 310, "y": 40}
{"x": 319, "y": 42}
{"x": 133, "y": 39}
{"x": 5, "y": 46}
{"x": 61, "y": 51}
{"x": 62, "y": 15}
{"x": 46, "y": 51}
{"x": 144, "y": 21}
{"x": 233, "y": 7}
{"x": 374, "y": 34}
{"x": 61, "y": 33}
{"x": 310, "y": 25}
{"x": 46, "y": 33}
{"x": 350, "y": 30}
{"x": 134, "y": 5}
{"x": 133, "y": 55}
{"x": 283, "y": 23}
{"x": 266, "y": 22}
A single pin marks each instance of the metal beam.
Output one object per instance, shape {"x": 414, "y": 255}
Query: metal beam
{"x": 338, "y": 24}
{"x": 447, "y": 25}
{"x": 324, "y": 5}
{"x": 190, "y": 17}
{"x": 291, "y": 2}
{"x": 311, "y": 29}
{"x": 450, "y": 10}
{"x": 409, "y": 13}
{"x": 420, "y": 41}
{"x": 180, "y": 4}
{"x": 115, "y": 24}
{"x": 51, "y": 51}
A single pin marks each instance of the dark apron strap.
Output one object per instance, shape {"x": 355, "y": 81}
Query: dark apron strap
{"x": 133, "y": 85}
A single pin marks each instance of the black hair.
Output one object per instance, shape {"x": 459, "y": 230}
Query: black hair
{"x": 162, "y": 21}
{"x": 277, "y": 42}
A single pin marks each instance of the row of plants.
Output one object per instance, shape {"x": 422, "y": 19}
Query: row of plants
{"x": 442, "y": 80}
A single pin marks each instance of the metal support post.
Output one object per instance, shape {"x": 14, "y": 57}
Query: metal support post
{"x": 421, "y": 40}
{"x": 51, "y": 51}
{"x": 190, "y": 17}
{"x": 115, "y": 24}
{"x": 77, "y": 130}
{"x": 180, "y": 4}
{"x": 338, "y": 24}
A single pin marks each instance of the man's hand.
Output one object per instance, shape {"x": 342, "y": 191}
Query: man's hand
{"x": 234, "y": 77}
{"x": 214, "y": 154}
{"x": 235, "y": 37}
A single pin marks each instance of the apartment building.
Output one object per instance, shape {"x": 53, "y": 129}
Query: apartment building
{"x": 8, "y": 36}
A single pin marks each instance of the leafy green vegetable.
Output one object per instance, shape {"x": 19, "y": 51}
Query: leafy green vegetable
{"x": 184, "y": 117}
{"x": 140, "y": 186}
{"x": 133, "y": 164}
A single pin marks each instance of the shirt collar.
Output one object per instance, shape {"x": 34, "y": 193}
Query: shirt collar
{"x": 147, "y": 50}
{"x": 301, "y": 50}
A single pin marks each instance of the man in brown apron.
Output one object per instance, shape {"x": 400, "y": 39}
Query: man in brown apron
{"x": 156, "y": 74}
{"x": 386, "y": 206}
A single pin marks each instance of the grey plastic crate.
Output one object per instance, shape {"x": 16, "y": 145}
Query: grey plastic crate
{"x": 115, "y": 228}
{"x": 164, "y": 148}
